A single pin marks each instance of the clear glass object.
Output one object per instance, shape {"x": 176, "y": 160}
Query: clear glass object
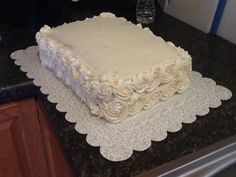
{"x": 145, "y": 11}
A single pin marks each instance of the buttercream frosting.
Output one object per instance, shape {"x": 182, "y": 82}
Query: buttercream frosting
{"x": 115, "y": 67}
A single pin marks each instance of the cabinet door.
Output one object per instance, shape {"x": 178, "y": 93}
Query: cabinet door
{"x": 57, "y": 163}
{"x": 21, "y": 147}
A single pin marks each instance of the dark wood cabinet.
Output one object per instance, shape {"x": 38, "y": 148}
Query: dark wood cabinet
{"x": 56, "y": 161}
{"x": 28, "y": 146}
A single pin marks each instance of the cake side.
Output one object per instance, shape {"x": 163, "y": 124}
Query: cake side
{"x": 110, "y": 95}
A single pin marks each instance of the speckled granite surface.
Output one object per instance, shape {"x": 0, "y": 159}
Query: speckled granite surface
{"x": 212, "y": 56}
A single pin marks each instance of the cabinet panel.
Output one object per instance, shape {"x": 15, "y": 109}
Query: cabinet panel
{"x": 9, "y": 162}
{"x": 57, "y": 162}
{"x": 21, "y": 147}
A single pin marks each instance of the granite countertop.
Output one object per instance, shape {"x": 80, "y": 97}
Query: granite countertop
{"x": 212, "y": 56}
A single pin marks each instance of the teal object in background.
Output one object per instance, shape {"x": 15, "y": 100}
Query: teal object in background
{"x": 218, "y": 16}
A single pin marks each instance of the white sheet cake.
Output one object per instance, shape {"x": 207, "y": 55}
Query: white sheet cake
{"x": 117, "y": 68}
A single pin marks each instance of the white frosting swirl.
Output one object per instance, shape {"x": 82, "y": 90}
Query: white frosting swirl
{"x": 136, "y": 105}
{"x": 105, "y": 90}
{"x": 123, "y": 89}
{"x": 167, "y": 90}
{"x": 152, "y": 99}
{"x": 107, "y": 15}
{"x": 114, "y": 110}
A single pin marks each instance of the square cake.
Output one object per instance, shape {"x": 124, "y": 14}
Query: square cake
{"x": 117, "y": 68}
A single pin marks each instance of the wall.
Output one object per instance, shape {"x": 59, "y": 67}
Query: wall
{"x": 197, "y": 13}
{"x": 227, "y": 27}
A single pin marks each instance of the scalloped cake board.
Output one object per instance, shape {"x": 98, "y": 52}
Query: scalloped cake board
{"x": 117, "y": 141}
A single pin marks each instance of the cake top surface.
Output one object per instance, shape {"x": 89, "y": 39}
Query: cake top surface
{"x": 110, "y": 44}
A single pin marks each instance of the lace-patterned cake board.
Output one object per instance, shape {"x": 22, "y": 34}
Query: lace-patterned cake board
{"x": 117, "y": 141}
